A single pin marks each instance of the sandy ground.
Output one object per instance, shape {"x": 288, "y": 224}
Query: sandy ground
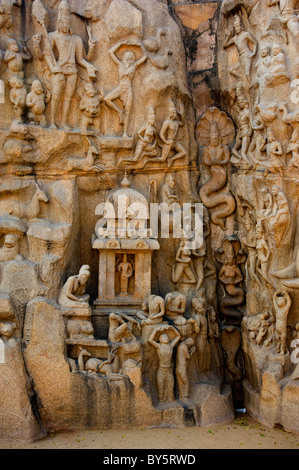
{"x": 243, "y": 433}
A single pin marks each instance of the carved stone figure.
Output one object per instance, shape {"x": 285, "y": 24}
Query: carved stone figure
{"x": 79, "y": 329}
{"x": 146, "y": 144}
{"x": 18, "y": 97}
{"x": 12, "y": 229}
{"x": 72, "y": 294}
{"x": 216, "y": 131}
{"x": 64, "y": 69}
{"x": 119, "y": 324}
{"x": 89, "y": 105}
{"x": 246, "y": 47}
{"x": 183, "y": 270}
{"x": 156, "y": 310}
{"x": 214, "y": 337}
{"x": 126, "y": 270}
{"x": 274, "y": 153}
{"x": 6, "y": 12}
{"x": 25, "y": 210}
{"x": 127, "y": 67}
{"x": 278, "y": 73}
{"x": 85, "y": 164}
{"x": 263, "y": 254}
{"x": 169, "y": 137}
{"x": 288, "y": 16}
{"x": 168, "y": 193}
{"x": 164, "y": 348}
{"x": 185, "y": 351}
{"x": 153, "y": 46}
{"x": 282, "y": 303}
{"x": 14, "y": 58}
{"x": 244, "y": 132}
{"x": 231, "y": 256}
{"x": 201, "y": 341}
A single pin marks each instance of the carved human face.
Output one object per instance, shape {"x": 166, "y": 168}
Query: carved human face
{"x": 37, "y": 88}
{"x": 91, "y": 91}
{"x": 64, "y": 25}
{"x": 164, "y": 339}
{"x": 264, "y": 52}
{"x": 238, "y": 28}
{"x": 274, "y": 190}
{"x": 83, "y": 278}
{"x": 214, "y": 139}
{"x": 13, "y": 46}
{"x": 172, "y": 114}
{"x": 129, "y": 58}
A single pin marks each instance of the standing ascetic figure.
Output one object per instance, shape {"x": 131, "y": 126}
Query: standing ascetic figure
{"x": 127, "y": 67}
{"x": 215, "y": 131}
{"x": 69, "y": 50}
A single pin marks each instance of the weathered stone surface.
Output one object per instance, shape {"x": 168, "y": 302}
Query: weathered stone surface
{"x": 111, "y": 106}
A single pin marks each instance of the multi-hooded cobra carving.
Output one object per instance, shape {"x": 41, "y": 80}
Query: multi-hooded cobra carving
{"x": 215, "y": 131}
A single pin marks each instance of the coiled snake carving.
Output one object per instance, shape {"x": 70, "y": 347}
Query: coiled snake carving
{"x": 215, "y": 131}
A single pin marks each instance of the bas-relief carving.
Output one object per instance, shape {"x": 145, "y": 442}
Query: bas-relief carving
{"x": 266, "y": 120}
{"x": 215, "y": 131}
{"x": 42, "y": 240}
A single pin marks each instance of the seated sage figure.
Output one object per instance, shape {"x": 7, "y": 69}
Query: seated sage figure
{"x": 72, "y": 294}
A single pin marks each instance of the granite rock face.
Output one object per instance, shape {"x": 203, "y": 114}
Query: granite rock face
{"x": 148, "y": 271}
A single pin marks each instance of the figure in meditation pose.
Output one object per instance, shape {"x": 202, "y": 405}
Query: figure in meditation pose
{"x": 126, "y": 68}
{"x": 185, "y": 351}
{"x": 36, "y": 103}
{"x": 64, "y": 69}
{"x": 146, "y": 144}
{"x": 126, "y": 271}
{"x": 14, "y": 59}
{"x": 72, "y": 295}
{"x": 282, "y": 304}
{"x": 156, "y": 310}
{"x": 164, "y": 349}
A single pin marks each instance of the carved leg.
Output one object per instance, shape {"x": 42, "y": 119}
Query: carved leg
{"x": 70, "y": 89}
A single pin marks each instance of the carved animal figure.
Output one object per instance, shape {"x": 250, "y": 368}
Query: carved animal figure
{"x": 92, "y": 365}
{"x": 78, "y": 328}
{"x": 7, "y": 329}
{"x": 25, "y": 210}
{"x": 84, "y": 164}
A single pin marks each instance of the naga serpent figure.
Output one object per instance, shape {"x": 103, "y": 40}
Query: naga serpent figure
{"x": 215, "y": 132}
{"x": 231, "y": 256}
